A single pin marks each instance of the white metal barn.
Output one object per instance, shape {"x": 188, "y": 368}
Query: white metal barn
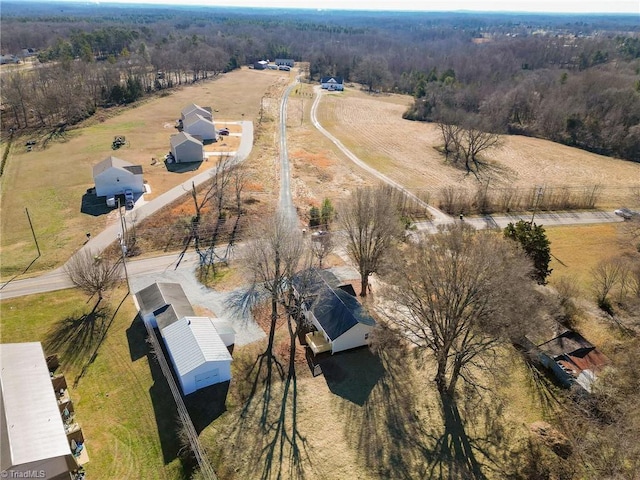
{"x": 112, "y": 176}
{"x": 186, "y": 148}
{"x": 202, "y": 111}
{"x": 196, "y": 125}
{"x": 199, "y": 356}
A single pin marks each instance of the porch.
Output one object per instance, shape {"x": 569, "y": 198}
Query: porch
{"x": 317, "y": 342}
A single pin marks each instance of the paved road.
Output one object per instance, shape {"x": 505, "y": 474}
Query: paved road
{"x": 58, "y": 280}
{"x": 439, "y": 217}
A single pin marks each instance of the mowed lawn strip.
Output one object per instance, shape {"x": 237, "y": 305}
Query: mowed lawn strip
{"x": 122, "y": 403}
{"x": 52, "y": 181}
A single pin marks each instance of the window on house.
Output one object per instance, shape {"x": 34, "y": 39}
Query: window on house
{"x": 366, "y": 336}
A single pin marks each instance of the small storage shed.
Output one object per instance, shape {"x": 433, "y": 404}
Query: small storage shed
{"x": 204, "y": 112}
{"x": 185, "y": 148}
{"x": 196, "y": 125}
{"x": 199, "y": 356}
{"x": 342, "y": 323}
{"x": 112, "y": 176}
{"x": 163, "y": 303}
{"x": 332, "y": 83}
{"x": 261, "y": 65}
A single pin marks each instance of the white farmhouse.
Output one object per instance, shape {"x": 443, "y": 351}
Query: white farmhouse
{"x": 341, "y": 322}
{"x": 186, "y": 148}
{"x": 113, "y": 176}
{"x": 198, "y": 126}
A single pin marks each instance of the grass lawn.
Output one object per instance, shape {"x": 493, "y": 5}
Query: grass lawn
{"x": 121, "y": 400}
{"x": 577, "y": 250}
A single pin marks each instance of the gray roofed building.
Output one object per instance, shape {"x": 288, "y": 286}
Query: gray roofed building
{"x": 32, "y": 434}
{"x": 166, "y": 302}
{"x": 112, "y": 176}
{"x": 342, "y": 319}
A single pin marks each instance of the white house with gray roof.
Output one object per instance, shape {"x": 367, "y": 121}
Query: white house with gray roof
{"x": 197, "y": 346}
{"x": 199, "y": 126}
{"x": 186, "y": 149}
{"x": 112, "y": 176}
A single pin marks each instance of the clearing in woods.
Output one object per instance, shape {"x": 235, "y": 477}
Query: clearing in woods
{"x": 372, "y": 127}
{"x": 52, "y": 182}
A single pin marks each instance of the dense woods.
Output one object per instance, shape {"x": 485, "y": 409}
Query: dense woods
{"x": 571, "y": 79}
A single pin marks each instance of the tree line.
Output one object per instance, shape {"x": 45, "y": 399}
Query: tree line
{"x": 572, "y": 79}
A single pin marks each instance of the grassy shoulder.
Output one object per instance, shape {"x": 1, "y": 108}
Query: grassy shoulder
{"x": 121, "y": 400}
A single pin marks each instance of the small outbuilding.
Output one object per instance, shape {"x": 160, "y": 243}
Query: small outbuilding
{"x": 163, "y": 303}
{"x": 198, "y": 346}
{"x": 341, "y": 322}
{"x": 198, "y": 126}
{"x": 113, "y": 176}
{"x": 199, "y": 356}
{"x": 204, "y": 112}
{"x": 332, "y": 83}
{"x": 261, "y": 65}
{"x": 186, "y": 148}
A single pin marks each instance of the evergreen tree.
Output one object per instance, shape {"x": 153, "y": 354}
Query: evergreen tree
{"x": 536, "y": 245}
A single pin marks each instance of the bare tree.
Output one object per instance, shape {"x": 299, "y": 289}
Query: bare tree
{"x": 459, "y": 294}
{"x": 273, "y": 258}
{"x": 372, "y": 226}
{"x": 605, "y": 276}
{"x": 451, "y": 138}
{"x": 92, "y": 273}
{"x": 321, "y": 246}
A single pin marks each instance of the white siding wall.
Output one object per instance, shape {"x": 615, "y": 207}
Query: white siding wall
{"x": 188, "y": 382}
{"x": 188, "y": 152}
{"x": 354, "y": 337}
{"x": 203, "y": 129}
{"x": 114, "y": 181}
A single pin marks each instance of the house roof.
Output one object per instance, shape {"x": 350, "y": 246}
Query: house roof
{"x": 206, "y": 112}
{"x": 192, "y": 342}
{"x": 565, "y": 343}
{"x": 195, "y": 117}
{"x": 336, "y": 310}
{"x": 115, "y": 162}
{"x": 167, "y": 301}
{"x": 592, "y": 360}
{"x": 31, "y": 425}
{"x": 182, "y": 137}
{"x": 331, "y": 80}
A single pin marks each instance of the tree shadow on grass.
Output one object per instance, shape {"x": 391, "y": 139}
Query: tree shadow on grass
{"x": 386, "y": 427}
{"x": 272, "y": 404}
{"x": 78, "y": 338}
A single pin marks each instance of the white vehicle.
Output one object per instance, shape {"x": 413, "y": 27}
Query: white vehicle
{"x": 626, "y": 213}
{"x": 111, "y": 200}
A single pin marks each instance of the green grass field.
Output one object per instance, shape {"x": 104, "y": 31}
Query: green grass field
{"x": 122, "y": 402}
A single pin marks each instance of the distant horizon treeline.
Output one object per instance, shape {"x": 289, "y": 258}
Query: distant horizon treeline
{"x": 571, "y": 79}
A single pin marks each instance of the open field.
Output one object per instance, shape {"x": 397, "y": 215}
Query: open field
{"x": 372, "y": 127}
{"x": 124, "y": 408}
{"x": 52, "y": 181}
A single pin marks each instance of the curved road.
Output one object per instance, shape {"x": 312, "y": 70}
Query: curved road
{"x": 439, "y": 217}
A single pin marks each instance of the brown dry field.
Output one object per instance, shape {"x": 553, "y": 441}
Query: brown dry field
{"x": 51, "y": 181}
{"x": 372, "y": 127}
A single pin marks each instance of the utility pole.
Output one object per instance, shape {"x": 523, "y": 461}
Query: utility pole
{"x": 539, "y": 193}
{"x": 123, "y": 245}
{"x": 32, "y": 230}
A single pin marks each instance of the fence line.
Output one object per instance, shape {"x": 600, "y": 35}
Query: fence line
{"x": 194, "y": 441}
